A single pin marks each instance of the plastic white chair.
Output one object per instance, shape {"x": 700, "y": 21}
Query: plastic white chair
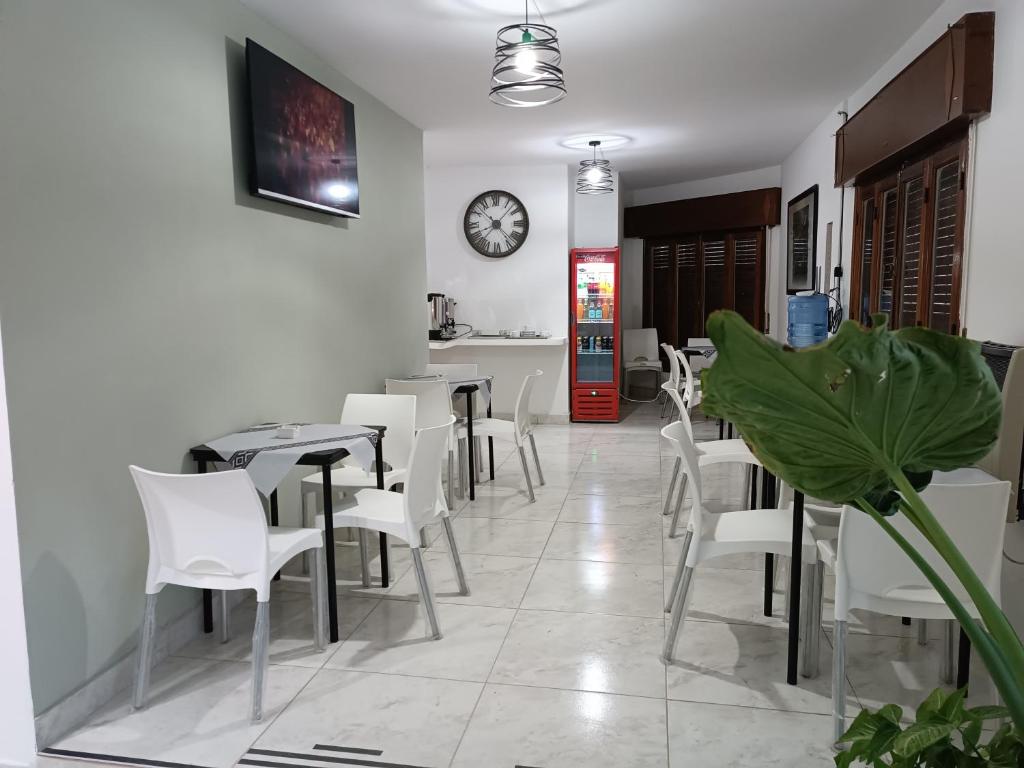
{"x": 726, "y": 533}
{"x": 874, "y": 574}
{"x": 210, "y": 532}
{"x": 734, "y": 451}
{"x": 639, "y": 353}
{"x": 398, "y": 414}
{"x": 674, "y": 381}
{"x": 691, "y": 387}
{"x": 404, "y": 515}
{"x": 457, "y": 372}
{"x": 519, "y": 429}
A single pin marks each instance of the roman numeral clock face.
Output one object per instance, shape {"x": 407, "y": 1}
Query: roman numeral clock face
{"x": 496, "y": 224}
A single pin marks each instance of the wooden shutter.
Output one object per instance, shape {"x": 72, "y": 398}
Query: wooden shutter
{"x": 887, "y": 253}
{"x": 688, "y": 283}
{"x": 910, "y": 248}
{"x": 747, "y": 268}
{"x": 947, "y": 228}
{"x": 663, "y": 290}
{"x": 865, "y": 260}
{"x": 716, "y": 293}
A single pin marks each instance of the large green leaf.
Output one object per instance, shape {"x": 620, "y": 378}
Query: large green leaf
{"x": 833, "y": 420}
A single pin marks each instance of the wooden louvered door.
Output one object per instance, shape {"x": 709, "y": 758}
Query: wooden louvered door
{"x": 716, "y": 274}
{"x": 946, "y": 240}
{"x": 662, "y": 315}
{"x": 911, "y": 230}
{"x": 864, "y": 250}
{"x": 689, "y": 290}
{"x": 748, "y": 276}
{"x": 885, "y": 273}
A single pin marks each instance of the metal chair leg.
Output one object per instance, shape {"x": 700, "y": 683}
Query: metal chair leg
{"x": 922, "y": 631}
{"x": 838, "y": 681}
{"x": 477, "y": 459}
{"x": 318, "y": 593}
{"x": 426, "y": 596}
{"x": 225, "y": 617}
{"x": 364, "y": 555}
{"x": 450, "y": 498}
{"x": 453, "y": 549}
{"x": 679, "y": 570}
{"x": 672, "y": 485}
{"x": 949, "y": 652}
{"x": 526, "y": 474}
{"x": 679, "y": 507}
{"x": 814, "y": 581}
{"x": 536, "y": 460}
{"x": 147, "y": 637}
{"x": 678, "y": 613}
{"x": 260, "y": 658}
{"x": 463, "y": 467}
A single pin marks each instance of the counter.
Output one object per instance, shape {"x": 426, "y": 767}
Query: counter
{"x": 497, "y": 341}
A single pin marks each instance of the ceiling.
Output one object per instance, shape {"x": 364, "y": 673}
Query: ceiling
{"x": 702, "y": 87}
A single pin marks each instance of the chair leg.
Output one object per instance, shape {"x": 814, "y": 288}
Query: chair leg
{"x": 463, "y": 467}
{"x": 307, "y": 522}
{"x": 526, "y": 474}
{"x": 426, "y": 596}
{"x": 949, "y": 649}
{"x": 318, "y": 593}
{"x": 424, "y": 540}
{"x": 453, "y": 549}
{"x": 839, "y": 681}
{"x": 477, "y": 459}
{"x": 665, "y": 405}
{"x": 814, "y": 576}
{"x": 672, "y": 485}
{"x": 451, "y": 479}
{"x": 536, "y": 460}
{"x": 678, "y": 613}
{"x": 364, "y": 555}
{"x": 679, "y": 507}
{"x": 679, "y": 570}
{"x": 922, "y": 631}
{"x": 225, "y": 617}
{"x": 260, "y": 658}
{"x": 147, "y": 638}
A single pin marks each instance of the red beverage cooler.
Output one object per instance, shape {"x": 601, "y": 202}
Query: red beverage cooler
{"x": 594, "y": 332}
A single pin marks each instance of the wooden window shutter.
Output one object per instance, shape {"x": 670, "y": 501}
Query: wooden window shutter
{"x": 715, "y": 275}
{"x": 747, "y": 247}
{"x": 946, "y": 230}
{"x": 691, "y": 319}
{"x": 887, "y": 266}
{"x": 910, "y": 246}
{"x": 866, "y": 259}
{"x": 663, "y": 290}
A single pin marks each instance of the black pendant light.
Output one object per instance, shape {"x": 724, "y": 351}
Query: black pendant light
{"x": 595, "y": 176}
{"x": 527, "y": 65}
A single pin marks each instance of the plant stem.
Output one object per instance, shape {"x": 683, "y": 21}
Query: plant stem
{"x": 990, "y": 653}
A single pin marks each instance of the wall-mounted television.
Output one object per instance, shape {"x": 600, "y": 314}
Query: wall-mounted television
{"x": 303, "y": 137}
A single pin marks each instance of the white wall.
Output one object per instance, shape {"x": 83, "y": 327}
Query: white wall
{"x": 528, "y": 288}
{"x": 596, "y": 221}
{"x": 17, "y": 732}
{"x": 718, "y": 185}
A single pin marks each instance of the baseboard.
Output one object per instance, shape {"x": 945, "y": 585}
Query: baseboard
{"x": 68, "y": 714}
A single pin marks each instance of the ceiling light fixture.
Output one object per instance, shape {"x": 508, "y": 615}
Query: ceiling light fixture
{"x": 595, "y": 176}
{"x": 609, "y": 141}
{"x": 527, "y": 65}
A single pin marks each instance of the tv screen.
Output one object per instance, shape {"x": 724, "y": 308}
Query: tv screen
{"x": 303, "y": 137}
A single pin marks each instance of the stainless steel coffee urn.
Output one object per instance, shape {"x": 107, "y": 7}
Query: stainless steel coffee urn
{"x": 441, "y": 311}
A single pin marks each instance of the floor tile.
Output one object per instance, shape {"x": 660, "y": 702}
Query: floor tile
{"x": 413, "y": 721}
{"x": 563, "y": 729}
{"x": 647, "y": 485}
{"x": 732, "y": 596}
{"x": 606, "y": 543}
{"x": 486, "y": 536}
{"x": 608, "y": 654}
{"x": 611, "y": 510}
{"x": 393, "y": 639}
{"x": 587, "y": 586}
{"x": 512, "y": 503}
{"x": 493, "y": 580}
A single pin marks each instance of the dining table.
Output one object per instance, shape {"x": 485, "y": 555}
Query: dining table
{"x": 268, "y": 459}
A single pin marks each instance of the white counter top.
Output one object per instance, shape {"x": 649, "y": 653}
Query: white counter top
{"x": 495, "y": 341}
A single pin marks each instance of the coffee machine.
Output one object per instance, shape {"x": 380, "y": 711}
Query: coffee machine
{"x": 441, "y": 312}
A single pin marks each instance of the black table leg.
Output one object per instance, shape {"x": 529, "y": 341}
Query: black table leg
{"x": 332, "y": 587}
{"x": 207, "y": 594}
{"x": 721, "y": 429}
{"x": 963, "y": 663}
{"x": 906, "y": 621}
{"x": 490, "y": 444}
{"x": 795, "y": 568}
{"x": 769, "y": 558}
{"x": 730, "y": 430}
{"x": 752, "y": 471}
{"x": 384, "y": 564}
{"x": 469, "y": 446}
{"x": 274, "y": 521}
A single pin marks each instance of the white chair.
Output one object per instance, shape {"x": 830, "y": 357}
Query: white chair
{"x": 519, "y": 429}
{"x": 726, "y": 533}
{"x": 709, "y": 452}
{"x": 398, "y": 414}
{"x": 639, "y": 354}
{"x": 691, "y": 386}
{"x": 674, "y": 382}
{"x": 874, "y": 574}
{"x": 459, "y": 372}
{"x": 210, "y": 532}
{"x": 404, "y": 515}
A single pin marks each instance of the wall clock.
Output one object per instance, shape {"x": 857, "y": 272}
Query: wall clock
{"x": 496, "y": 223}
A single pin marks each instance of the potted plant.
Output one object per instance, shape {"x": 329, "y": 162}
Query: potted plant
{"x": 864, "y": 419}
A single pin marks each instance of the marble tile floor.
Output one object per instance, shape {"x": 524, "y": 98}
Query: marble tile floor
{"x": 552, "y": 661}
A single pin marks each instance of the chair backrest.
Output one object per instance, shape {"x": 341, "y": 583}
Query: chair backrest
{"x": 681, "y": 405}
{"x": 699, "y": 362}
{"x": 433, "y": 399}
{"x": 640, "y": 343}
{"x": 420, "y": 496}
{"x": 673, "y": 366}
{"x": 682, "y": 445}
{"x": 522, "y": 413}
{"x": 396, "y": 412}
{"x": 454, "y": 371}
{"x": 202, "y": 526}
{"x": 968, "y": 503}
{"x": 687, "y": 373}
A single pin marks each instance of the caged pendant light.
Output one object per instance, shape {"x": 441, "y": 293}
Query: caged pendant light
{"x": 594, "y": 176}
{"x": 527, "y": 65}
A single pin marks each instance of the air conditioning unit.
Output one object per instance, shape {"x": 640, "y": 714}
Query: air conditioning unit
{"x": 1006, "y": 461}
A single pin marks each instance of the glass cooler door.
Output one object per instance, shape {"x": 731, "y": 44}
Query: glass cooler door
{"x": 595, "y": 322}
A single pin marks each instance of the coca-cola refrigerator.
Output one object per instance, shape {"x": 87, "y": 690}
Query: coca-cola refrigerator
{"x": 594, "y": 332}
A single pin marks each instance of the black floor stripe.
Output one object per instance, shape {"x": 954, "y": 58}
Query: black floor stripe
{"x": 335, "y": 760}
{"x": 307, "y": 756}
{"x": 115, "y": 758}
{"x": 357, "y": 750}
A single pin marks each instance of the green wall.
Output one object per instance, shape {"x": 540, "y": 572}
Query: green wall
{"x": 149, "y": 303}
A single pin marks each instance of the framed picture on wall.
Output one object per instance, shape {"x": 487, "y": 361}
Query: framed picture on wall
{"x": 801, "y": 241}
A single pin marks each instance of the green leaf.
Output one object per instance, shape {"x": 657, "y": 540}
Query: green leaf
{"x": 892, "y": 713}
{"x": 987, "y": 712}
{"x": 920, "y": 736}
{"x": 932, "y": 704}
{"x": 953, "y": 707}
{"x": 864, "y": 726}
{"x": 832, "y": 420}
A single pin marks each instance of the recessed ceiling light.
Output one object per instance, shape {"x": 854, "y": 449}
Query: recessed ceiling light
{"x": 584, "y": 141}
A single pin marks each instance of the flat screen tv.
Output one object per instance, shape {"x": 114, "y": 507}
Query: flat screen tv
{"x": 303, "y": 137}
